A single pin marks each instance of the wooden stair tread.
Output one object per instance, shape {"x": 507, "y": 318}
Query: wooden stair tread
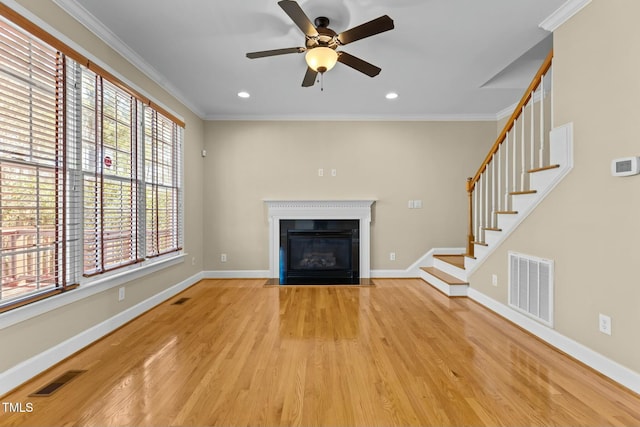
{"x": 480, "y": 243}
{"x": 544, "y": 168}
{"x": 516, "y": 193}
{"x": 445, "y": 277}
{"x": 455, "y": 260}
{"x": 507, "y": 212}
{"x": 491, "y": 229}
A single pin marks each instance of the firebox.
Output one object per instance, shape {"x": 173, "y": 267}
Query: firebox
{"x": 319, "y": 251}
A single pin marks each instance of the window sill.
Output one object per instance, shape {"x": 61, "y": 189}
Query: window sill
{"x": 85, "y": 290}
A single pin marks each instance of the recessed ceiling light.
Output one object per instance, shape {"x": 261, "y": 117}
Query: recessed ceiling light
{"x": 391, "y": 95}
{"x": 244, "y": 94}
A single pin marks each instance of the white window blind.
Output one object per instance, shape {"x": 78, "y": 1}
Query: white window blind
{"x": 31, "y": 166}
{"x": 109, "y": 166}
{"x": 162, "y": 151}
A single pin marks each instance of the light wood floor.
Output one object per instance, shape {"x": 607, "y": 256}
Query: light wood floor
{"x": 398, "y": 353}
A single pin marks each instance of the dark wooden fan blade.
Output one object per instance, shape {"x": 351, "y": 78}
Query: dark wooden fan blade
{"x": 263, "y": 53}
{"x": 368, "y": 29}
{"x": 309, "y": 77}
{"x": 358, "y": 64}
{"x": 298, "y": 16}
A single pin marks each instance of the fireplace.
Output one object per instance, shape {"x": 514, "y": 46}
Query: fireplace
{"x": 359, "y": 211}
{"x": 319, "y": 251}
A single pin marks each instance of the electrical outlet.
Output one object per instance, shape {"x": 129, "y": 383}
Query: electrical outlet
{"x": 334, "y": 172}
{"x": 223, "y": 257}
{"x": 193, "y": 260}
{"x": 411, "y": 204}
{"x": 121, "y": 294}
{"x": 605, "y": 324}
{"x": 392, "y": 256}
{"x": 320, "y": 172}
{"x": 417, "y": 204}
{"x": 494, "y": 280}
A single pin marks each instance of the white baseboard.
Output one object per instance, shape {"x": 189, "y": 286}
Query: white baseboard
{"x": 236, "y": 274}
{"x": 17, "y": 375}
{"x": 413, "y": 270}
{"x": 589, "y": 357}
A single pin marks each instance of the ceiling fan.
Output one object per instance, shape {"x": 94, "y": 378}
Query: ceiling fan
{"x": 321, "y": 43}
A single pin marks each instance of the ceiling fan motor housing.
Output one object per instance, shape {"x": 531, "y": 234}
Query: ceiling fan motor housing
{"x": 326, "y": 36}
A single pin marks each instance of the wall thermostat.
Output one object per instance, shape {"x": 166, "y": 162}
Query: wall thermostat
{"x": 625, "y": 166}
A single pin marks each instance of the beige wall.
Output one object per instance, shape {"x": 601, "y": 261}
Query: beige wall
{"x": 589, "y": 225}
{"x": 392, "y": 162}
{"x": 29, "y": 338}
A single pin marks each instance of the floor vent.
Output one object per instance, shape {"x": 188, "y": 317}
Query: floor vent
{"x": 531, "y": 286}
{"x": 181, "y": 301}
{"x": 55, "y": 385}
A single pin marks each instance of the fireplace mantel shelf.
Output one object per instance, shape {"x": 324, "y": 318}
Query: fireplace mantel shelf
{"x": 319, "y": 204}
{"x": 319, "y": 209}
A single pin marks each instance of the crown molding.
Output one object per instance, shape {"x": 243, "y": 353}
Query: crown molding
{"x": 563, "y": 14}
{"x": 84, "y": 17}
{"x": 357, "y": 118}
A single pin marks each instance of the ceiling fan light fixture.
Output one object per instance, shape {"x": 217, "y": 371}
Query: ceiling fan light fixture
{"x": 321, "y": 59}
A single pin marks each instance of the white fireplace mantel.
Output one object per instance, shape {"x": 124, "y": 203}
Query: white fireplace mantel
{"x": 319, "y": 209}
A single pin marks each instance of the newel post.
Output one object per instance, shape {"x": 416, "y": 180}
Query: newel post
{"x": 470, "y": 237}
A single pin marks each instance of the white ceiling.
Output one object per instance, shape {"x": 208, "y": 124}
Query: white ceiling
{"x": 447, "y": 59}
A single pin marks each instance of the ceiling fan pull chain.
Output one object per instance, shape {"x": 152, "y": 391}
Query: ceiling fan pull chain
{"x": 321, "y": 82}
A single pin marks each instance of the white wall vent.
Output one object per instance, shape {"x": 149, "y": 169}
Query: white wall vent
{"x": 531, "y": 286}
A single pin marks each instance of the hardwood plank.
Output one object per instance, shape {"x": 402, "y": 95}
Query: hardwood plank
{"x": 394, "y": 354}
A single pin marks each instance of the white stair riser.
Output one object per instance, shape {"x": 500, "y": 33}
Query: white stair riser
{"x": 505, "y": 222}
{"x": 449, "y": 269}
{"x": 480, "y": 251}
{"x": 491, "y": 237}
{"x": 445, "y": 288}
{"x": 469, "y": 263}
{"x": 522, "y": 202}
{"x": 541, "y": 180}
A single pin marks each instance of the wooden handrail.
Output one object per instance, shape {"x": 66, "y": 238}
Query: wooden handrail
{"x": 516, "y": 114}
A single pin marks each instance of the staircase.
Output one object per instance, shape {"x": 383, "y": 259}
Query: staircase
{"x": 529, "y": 158}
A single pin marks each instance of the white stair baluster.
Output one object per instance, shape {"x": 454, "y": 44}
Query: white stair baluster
{"x": 515, "y": 149}
{"x": 532, "y": 126}
{"x": 506, "y": 173}
{"x": 522, "y": 152}
{"x": 541, "y": 155}
{"x": 499, "y": 201}
{"x": 493, "y": 191}
{"x": 480, "y": 210}
{"x": 551, "y": 121}
{"x": 486, "y": 199}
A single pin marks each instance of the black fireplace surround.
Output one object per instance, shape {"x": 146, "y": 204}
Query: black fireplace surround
{"x": 319, "y": 251}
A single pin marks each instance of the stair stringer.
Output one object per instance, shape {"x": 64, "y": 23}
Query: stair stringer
{"x": 561, "y": 153}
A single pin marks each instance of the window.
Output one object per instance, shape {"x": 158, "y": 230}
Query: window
{"x": 110, "y": 176}
{"x": 162, "y": 180}
{"x": 31, "y": 159}
{"x": 90, "y": 172}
